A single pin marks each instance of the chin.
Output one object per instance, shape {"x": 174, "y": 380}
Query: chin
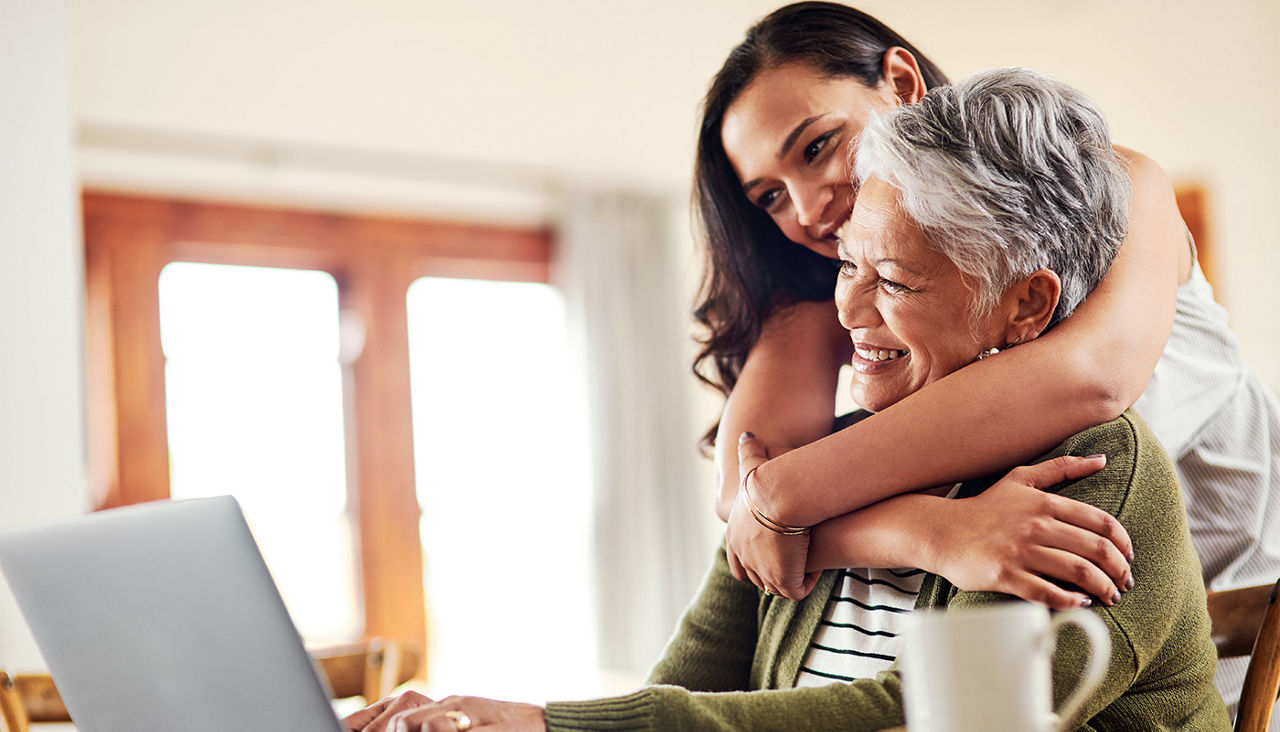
{"x": 874, "y": 402}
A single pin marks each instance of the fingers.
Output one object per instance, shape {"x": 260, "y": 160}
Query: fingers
{"x": 1071, "y": 568}
{"x": 1058, "y": 470}
{"x": 358, "y": 721}
{"x": 1034, "y": 588}
{"x": 1095, "y": 521}
{"x": 735, "y": 566}
{"x": 1099, "y": 539}
{"x": 387, "y": 712}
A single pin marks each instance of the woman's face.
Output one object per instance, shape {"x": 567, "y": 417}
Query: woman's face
{"x": 906, "y": 306}
{"x": 789, "y": 136}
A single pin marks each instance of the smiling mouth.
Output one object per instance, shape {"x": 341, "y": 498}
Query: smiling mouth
{"x": 878, "y": 354}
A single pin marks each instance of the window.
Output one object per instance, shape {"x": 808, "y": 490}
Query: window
{"x": 503, "y": 475}
{"x": 253, "y": 396}
{"x": 142, "y": 377}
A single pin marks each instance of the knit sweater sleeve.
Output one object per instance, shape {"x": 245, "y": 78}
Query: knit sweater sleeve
{"x": 868, "y": 704}
{"x": 700, "y": 680}
{"x": 713, "y": 645}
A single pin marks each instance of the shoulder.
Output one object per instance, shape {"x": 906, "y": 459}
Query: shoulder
{"x": 1136, "y": 464}
{"x": 1144, "y": 172}
{"x": 808, "y": 326}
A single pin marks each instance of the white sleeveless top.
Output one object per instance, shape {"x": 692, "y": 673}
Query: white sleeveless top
{"x": 1221, "y": 427}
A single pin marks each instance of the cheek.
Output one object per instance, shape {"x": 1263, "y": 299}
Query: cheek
{"x": 787, "y": 224}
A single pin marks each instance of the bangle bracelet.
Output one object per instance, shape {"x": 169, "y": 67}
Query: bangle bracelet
{"x": 774, "y": 526}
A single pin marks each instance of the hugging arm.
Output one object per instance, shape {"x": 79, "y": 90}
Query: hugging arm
{"x": 989, "y": 415}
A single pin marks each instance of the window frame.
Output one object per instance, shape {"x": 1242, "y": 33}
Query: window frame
{"x": 130, "y": 238}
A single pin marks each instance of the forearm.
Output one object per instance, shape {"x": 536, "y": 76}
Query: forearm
{"x": 714, "y": 642}
{"x": 865, "y": 704}
{"x": 977, "y": 421}
{"x": 896, "y": 532}
{"x": 1005, "y": 410}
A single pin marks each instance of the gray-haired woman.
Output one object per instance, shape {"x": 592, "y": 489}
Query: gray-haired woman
{"x": 986, "y": 213}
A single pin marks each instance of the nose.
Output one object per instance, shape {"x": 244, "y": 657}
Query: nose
{"x": 852, "y": 306}
{"x": 811, "y": 202}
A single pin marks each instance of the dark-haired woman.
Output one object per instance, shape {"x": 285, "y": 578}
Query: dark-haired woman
{"x": 779, "y": 132}
{"x": 922, "y": 270}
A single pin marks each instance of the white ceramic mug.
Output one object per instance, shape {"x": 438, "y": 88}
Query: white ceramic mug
{"x": 988, "y": 668}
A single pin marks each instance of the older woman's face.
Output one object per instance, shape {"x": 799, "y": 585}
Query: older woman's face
{"x": 906, "y": 306}
{"x": 788, "y": 137}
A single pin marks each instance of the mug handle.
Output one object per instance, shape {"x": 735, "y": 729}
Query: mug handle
{"x": 1099, "y": 654}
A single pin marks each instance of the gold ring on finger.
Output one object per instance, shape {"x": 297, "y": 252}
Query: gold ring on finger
{"x": 460, "y": 719}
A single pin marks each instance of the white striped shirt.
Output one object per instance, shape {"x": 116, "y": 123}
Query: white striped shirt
{"x": 1221, "y": 427}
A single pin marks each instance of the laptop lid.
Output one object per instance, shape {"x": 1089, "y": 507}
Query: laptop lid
{"x": 163, "y": 616}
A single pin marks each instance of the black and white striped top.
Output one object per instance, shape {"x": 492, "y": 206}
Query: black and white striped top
{"x": 858, "y": 635}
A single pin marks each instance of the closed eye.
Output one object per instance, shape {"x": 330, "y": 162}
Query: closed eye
{"x": 894, "y": 288}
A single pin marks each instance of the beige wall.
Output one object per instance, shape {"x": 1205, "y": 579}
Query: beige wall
{"x": 495, "y": 103}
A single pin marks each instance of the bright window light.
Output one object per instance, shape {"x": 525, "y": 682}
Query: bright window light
{"x": 253, "y": 389}
{"x": 503, "y": 478}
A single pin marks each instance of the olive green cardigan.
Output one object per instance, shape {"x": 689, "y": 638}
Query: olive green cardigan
{"x": 733, "y": 661}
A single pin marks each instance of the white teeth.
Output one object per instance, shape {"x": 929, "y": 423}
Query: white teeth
{"x": 878, "y": 354}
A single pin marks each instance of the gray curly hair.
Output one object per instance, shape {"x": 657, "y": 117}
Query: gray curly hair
{"x": 1007, "y": 172}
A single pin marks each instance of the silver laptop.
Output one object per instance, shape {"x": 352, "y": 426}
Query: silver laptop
{"x": 163, "y": 616}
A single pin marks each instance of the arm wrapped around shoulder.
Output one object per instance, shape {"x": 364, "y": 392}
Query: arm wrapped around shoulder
{"x": 1162, "y": 659}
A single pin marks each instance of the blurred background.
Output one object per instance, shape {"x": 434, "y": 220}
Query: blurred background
{"x": 412, "y": 280}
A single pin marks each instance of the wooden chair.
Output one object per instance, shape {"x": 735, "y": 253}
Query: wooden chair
{"x": 372, "y": 670}
{"x": 1246, "y": 622}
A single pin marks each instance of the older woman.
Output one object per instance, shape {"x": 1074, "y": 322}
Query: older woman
{"x": 986, "y": 213}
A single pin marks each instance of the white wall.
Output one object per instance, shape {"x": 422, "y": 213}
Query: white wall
{"x": 42, "y": 460}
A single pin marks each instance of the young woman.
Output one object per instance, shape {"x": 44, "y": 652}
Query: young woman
{"x": 773, "y": 182}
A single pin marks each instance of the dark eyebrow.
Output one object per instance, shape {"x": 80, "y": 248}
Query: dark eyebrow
{"x": 786, "y": 146}
{"x": 795, "y": 135}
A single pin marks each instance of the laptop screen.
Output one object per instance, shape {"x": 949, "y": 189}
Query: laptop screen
{"x": 164, "y": 616}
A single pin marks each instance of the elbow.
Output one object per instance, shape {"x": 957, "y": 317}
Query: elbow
{"x": 1100, "y": 394}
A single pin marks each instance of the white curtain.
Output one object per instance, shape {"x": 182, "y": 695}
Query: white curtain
{"x": 628, "y": 318}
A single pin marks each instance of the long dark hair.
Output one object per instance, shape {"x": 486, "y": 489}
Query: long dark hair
{"x": 752, "y": 269}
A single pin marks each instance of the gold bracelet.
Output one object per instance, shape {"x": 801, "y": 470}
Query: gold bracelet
{"x": 774, "y": 526}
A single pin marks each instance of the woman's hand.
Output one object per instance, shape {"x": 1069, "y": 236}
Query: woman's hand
{"x": 1015, "y": 538}
{"x": 413, "y": 712}
{"x": 771, "y": 561}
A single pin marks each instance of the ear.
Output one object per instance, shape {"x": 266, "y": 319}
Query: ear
{"x": 1029, "y": 305}
{"x": 901, "y": 73}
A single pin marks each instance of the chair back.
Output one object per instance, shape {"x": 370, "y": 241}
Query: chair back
{"x": 371, "y": 669}
{"x": 26, "y": 699}
{"x": 1246, "y": 622}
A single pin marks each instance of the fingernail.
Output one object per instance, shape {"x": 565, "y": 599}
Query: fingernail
{"x": 1128, "y": 583}
{"x": 1085, "y": 602}
{"x": 1129, "y": 556}
{"x": 745, "y": 436}
{"x": 1096, "y": 455}
{"x": 1115, "y": 598}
